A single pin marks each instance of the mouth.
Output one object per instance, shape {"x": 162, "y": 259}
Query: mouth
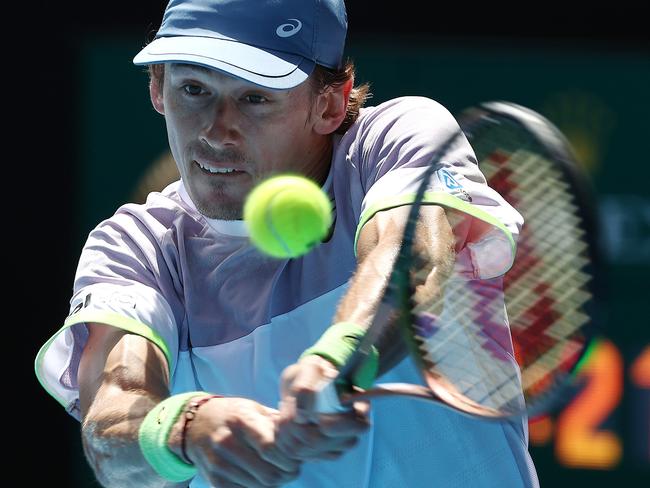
{"x": 218, "y": 170}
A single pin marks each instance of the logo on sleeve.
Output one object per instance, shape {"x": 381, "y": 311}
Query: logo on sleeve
{"x": 82, "y": 304}
{"x": 452, "y": 185}
{"x": 448, "y": 180}
{"x": 115, "y": 300}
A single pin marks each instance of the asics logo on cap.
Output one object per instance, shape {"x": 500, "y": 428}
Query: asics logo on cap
{"x": 288, "y": 30}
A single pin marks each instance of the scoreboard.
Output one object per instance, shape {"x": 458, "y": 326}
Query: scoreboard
{"x": 609, "y": 418}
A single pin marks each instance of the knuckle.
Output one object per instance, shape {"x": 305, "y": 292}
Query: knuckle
{"x": 266, "y": 447}
{"x": 308, "y": 435}
{"x": 352, "y": 442}
{"x": 314, "y": 436}
{"x": 269, "y": 452}
{"x": 303, "y": 388}
{"x": 291, "y": 474}
{"x": 289, "y": 372}
{"x": 236, "y": 421}
{"x": 333, "y": 455}
{"x": 222, "y": 439}
{"x": 287, "y": 476}
{"x": 273, "y": 478}
{"x": 216, "y": 466}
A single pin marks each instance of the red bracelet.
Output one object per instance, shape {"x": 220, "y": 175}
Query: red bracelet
{"x": 190, "y": 412}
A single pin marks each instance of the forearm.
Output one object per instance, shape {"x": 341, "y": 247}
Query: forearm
{"x": 361, "y": 301}
{"x": 110, "y": 440}
{"x": 121, "y": 378}
{"x": 379, "y": 246}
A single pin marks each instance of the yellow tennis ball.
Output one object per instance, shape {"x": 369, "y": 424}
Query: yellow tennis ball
{"x": 287, "y": 215}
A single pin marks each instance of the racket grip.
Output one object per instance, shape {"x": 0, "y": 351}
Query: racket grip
{"x": 327, "y": 400}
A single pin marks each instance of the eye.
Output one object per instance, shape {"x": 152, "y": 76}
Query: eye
{"x": 192, "y": 90}
{"x": 255, "y": 98}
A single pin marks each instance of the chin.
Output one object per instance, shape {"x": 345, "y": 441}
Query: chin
{"x": 216, "y": 204}
{"x": 222, "y": 212}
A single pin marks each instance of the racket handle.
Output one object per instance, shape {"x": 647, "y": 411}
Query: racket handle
{"x": 327, "y": 400}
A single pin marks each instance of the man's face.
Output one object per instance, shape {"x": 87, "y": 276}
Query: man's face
{"x": 226, "y": 135}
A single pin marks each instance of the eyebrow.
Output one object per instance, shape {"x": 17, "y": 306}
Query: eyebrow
{"x": 195, "y": 67}
{"x": 209, "y": 71}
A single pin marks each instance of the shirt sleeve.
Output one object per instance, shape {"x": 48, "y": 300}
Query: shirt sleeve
{"x": 396, "y": 143}
{"x": 117, "y": 283}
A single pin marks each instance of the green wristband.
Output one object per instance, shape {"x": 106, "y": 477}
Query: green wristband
{"x": 338, "y": 343}
{"x": 154, "y": 434}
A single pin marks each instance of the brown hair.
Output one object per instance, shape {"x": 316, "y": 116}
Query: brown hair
{"x": 320, "y": 79}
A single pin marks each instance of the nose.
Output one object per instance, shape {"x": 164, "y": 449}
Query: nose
{"x": 222, "y": 127}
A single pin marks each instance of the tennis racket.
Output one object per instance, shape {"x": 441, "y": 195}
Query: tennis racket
{"x": 470, "y": 360}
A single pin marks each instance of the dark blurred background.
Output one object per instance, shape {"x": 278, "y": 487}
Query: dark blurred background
{"x": 83, "y": 136}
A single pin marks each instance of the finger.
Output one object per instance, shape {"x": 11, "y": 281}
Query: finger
{"x": 275, "y": 456}
{"x": 288, "y": 408}
{"x": 320, "y": 449}
{"x": 330, "y": 456}
{"x": 242, "y": 464}
{"x": 272, "y": 412}
{"x": 343, "y": 424}
{"x": 304, "y": 393}
{"x": 336, "y": 453}
{"x": 222, "y": 472}
{"x": 314, "y": 372}
{"x": 218, "y": 481}
{"x": 329, "y": 427}
{"x": 262, "y": 440}
{"x": 362, "y": 409}
{"x": 306, "y": 441}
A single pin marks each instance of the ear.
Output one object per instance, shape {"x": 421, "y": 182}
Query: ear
{"x": 330, "y": 108}
{"x": 156, "y": 94}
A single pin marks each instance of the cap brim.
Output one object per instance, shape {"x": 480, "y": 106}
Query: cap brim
{"x": 270, "y": 69}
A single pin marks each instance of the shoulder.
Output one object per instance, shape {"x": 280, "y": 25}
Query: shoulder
{"x": 401, "y": 126}
{"x": 399, "y": 120}
{"x": 161, "y": 212}
{"x": 143, "y": 232}
{"x": 408, "y": 103}
{"x": 410, "y": 107}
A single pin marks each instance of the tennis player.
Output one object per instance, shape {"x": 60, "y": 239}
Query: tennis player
{"x": 191, "y": 359}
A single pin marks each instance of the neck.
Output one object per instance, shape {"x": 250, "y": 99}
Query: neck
{"x": 321, "y": 167}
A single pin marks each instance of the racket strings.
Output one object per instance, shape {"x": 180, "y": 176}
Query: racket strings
{"x": 455, "y": 354}
{"x": 544, "y": 296}
{"x": 563, "y": 253}
{"x": 469, "y": 343}
{"x": 557, "y": 240}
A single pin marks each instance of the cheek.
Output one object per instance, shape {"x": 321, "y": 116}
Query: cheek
{"x": 178, "y": 136}
{"x": 282, "y": 147}
{"x": 179, "y": 116}
{"x": 180, "y": 128}
{"x": 172, "y": 132}
{"x": 289, "y": 136}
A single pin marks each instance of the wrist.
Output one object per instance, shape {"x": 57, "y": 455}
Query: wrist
{"x": 188, "y": 416}
{"x": 338, "y": 344}
{"x": 154, "y": 437}
{"x": 177, "y": 441}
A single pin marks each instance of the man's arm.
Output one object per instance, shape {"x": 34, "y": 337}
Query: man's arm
{"x": 377, "y": 249}
{"x": 438, "y": 235}
{"x": 123, "y": 376}
{"x": 305, "y": 433}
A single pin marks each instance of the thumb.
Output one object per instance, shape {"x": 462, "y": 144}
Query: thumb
{"x": 316, "y": 372}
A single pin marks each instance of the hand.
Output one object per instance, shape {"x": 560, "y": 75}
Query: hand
{"x": 232, "y": 442}
{"x": 306, "y": 434}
